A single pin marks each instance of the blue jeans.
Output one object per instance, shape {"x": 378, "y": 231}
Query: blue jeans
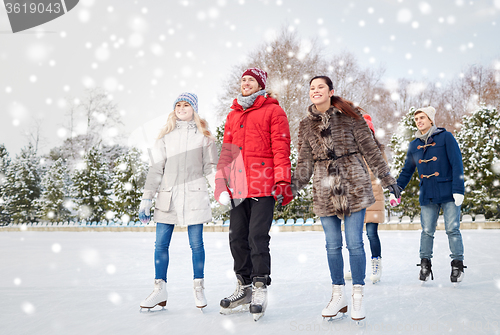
{"x": 353, "y": 227}
{"x": 429, "y": 216}
{"x": 164, "y": 235}
{"x": 372, "y": 233}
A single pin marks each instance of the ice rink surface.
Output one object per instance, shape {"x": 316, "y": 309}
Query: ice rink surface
{"x": 93, "y": 282}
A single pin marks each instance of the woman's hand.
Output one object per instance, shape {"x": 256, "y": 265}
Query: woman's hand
{"x": 145, "y": 210}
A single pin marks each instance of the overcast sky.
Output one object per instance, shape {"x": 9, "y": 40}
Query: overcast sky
{"x": 145, "y": 53}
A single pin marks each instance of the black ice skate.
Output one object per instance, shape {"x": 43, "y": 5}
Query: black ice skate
{"x": 259, "y": 297}
{"x": 457, "y": 271}
{"x": 239, "y": 301}
{"x": 426, "y": 270}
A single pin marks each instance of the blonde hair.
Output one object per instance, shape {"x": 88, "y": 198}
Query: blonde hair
{"x": 201, "y": 124}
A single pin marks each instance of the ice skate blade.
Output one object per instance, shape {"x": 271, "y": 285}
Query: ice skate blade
{"x": 339, "y": 316}
{"x": 257, "y": 316}
{"x": 151, "y": 310}
{"x": 238, "y": 309}
{"x": 358, "y": 321}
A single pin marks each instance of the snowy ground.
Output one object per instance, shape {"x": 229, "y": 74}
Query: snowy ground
{"x": 92, "y": 283}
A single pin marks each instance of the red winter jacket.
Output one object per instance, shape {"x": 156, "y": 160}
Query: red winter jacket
{"x": 255, "y": 153}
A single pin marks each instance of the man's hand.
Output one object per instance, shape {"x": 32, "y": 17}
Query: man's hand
{"x": 283, "y": 193}
{"x": 459, "y": 199}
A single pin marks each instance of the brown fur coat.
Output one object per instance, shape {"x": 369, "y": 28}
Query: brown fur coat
{"x": 332, "y": 146}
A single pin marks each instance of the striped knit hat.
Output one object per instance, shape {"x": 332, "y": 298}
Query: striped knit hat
{"x": 190, "y": 98}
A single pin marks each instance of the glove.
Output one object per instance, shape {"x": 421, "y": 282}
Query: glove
{"x": 221, "y": 187}
{"x": 224, "y": 198}
{"x": 395, "y": 189}
{"x": 144, "y": 210}
{"x": 393, "y": 201}
{"x": 283, "y": 193}
{"x": 459, "y": 198}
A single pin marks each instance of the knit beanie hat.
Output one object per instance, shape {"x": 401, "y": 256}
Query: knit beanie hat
{"x": 429, "y": 111}
{"x": 258, "y": 74}
{"x": 190, "y": 98}
{"x": 368, "y": 120}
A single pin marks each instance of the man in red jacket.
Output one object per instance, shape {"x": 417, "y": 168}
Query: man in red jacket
{"x": 253, "y": 170}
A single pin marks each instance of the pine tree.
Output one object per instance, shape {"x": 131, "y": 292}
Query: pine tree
{"x": 128, "y": 183}
{"x": 91, "y": 187}
{"x": 22, "y": 187}
{"x": 479, "y": 141}
{"x": 302, "y": 205}
{"x": 4, "y": 163}
{"x": 55, "y": 192}
{"x": 399, "y": 144}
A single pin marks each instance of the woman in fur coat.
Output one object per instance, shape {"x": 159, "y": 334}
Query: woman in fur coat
{"x": 333, "y": 140}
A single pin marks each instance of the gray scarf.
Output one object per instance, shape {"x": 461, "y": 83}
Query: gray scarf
{"x": 425, "y": 137}
{"x": 247, "y": 102}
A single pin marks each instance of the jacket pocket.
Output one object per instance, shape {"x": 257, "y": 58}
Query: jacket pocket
{"x": 198, "y": 185}
{"x": 444, "y": 187}
{"x": 163, "y": 200}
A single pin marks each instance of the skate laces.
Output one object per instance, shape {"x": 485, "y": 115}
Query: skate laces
{"x": 156, "y": 290}
{"x": 238, "y": 293}
{"x": 259, "y": 295}
{"x": 357, "y": 298}
{"x": 335, "y": 292}
{"x": 199, "y": 292}
{"x": 154, "y": 294}
{"x": 374, "y": 266}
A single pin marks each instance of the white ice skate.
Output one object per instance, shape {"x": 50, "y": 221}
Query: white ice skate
{"x": 337, "y": 304}
{"x": 239, "y": 301}
{"x": 358, "y": 305}
{"x": 259, "y": 298}
{"x": 199, "y": 293}
{"x": 159, "y": 296}
{"x": 376, "y": 270}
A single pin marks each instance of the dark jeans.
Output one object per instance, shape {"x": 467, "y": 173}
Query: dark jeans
{"x": 372, "y": 233}
{"x": 250, "y": 222}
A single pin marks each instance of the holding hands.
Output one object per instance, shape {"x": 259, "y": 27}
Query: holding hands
{"x": 395, "y": 197}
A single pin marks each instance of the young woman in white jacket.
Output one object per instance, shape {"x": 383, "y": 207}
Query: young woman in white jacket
{"x": 183, "y": 155}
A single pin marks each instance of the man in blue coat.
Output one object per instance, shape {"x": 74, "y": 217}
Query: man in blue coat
{"x": 437, "y": 157}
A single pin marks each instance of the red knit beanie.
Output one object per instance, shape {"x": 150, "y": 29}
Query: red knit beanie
{"x": 368, "y": 120}
{"x": 258, "y": 74}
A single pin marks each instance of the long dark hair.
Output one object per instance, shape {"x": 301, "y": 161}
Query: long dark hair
{"x": 345, "y": 106}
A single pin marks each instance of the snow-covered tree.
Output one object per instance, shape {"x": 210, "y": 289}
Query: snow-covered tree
{"x": 290, "y": 63}
{"x": 479, "y": 141}
{"x": 55, "y": 185}
{"x": 22, "y": 186}
{"x": 128, "y": 183}
{"x": 4, "y": 163}
{"x": 91, "y": 187}
{"x": 302, "y": 205}
{"x": 399, "y": 144}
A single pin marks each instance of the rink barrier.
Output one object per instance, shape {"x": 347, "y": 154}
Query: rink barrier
{"x": 280, "y": 225}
